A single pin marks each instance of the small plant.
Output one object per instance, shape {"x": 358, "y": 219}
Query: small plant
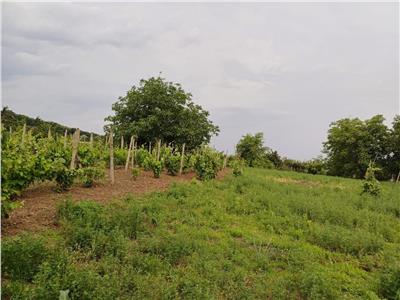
{"x": 156, "y": 166}
{"x": 207, "y": 164}
{"x": 135, "y": 173}
{"x": 371, "y": 185}
{"x": 172, "y": 163}
{"x": 237, "y": 167}
{"x": 64, "y": 179}
{"x": 22, "y": 257}
{"x": 89, "y": 175}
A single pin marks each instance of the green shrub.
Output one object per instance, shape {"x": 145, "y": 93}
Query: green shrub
{"x": 154, "y": 165}
{"x": 22, "y": 256}
{"x": 389, "y": 283}
{"x": 189, "y": 161}
{"x": 207, "y": 164}
{"x": 142, "y": 157}
{"x": 237, "y": 166}
{"x": 120, "y": 156}
{"x": 172, "y": 163}
{"x": 135, "y": 173}
{"x": 89, "y": 175}
{"x": 65, "y": 179}
{"x": 371, "y": 185}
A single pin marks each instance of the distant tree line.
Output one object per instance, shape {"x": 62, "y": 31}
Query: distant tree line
{"x": 14, "y": 121}
{"x": 351, "y": 146}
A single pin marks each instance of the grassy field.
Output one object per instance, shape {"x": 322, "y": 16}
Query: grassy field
{"x": 265, "y": 235}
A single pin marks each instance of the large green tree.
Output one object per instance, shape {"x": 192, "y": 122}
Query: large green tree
{"x": 251, "y": 149}
{"x": 393, "y": 159}
{"x": 352, "y": 144}
{"x": 157, "y": 109}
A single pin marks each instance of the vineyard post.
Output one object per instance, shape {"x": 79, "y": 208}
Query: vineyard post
{"x": 182, "y": 158}
{"x": 150, "y": 147}
{"x": 10, "y": 129}
{"x": 65, "y": 138}
{"x": 49, "y": 133}
{"x": 225, "y": 160}
{"x": 23, "y": 133}
{"x": 158, "y": 150}
{"x": 91, "y": 140}
{"x": 133, "y": 153}
{"x": 129, "y": 154}
{"x": 111, "y": 158}
{"x": 75, "y": 145}
{"x": 398, "y": 177}
{"x": 122, "y": 141}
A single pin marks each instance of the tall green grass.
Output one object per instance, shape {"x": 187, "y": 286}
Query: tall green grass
{"x": 264, "y": 235}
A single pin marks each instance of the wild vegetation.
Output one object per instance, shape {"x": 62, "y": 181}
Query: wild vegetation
{"x": 266, "y": 234}
{"x": 260, "y": 233}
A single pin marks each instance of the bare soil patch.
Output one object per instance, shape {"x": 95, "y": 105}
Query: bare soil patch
{"x": 40, "y": 201}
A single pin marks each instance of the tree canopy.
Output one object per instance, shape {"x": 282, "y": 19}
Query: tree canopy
{"x": 352, "y": 144}
{"x": 157, "y": 109}
{"x": 252, "y": 150}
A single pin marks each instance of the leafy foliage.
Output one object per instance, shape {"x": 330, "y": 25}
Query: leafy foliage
{"x": 91, "y": 174}
{"x": 371, "y": 185}
{"x": 157, "y": 109}
{"x": 135, "y": 173}
{"x": 251, "y": 149}
{"x": 352, "y": 143}
{"x": 22, "y": 257}
{"x": 207, "y": 163}
{"x": 237, "y": 166}
{"x": 172, "y": 163}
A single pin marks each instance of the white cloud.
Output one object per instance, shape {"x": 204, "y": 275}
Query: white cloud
{"x": 287, "y": 69}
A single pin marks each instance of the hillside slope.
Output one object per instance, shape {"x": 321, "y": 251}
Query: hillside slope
{"x": 265, "y": 235}
{"x": 37, "y": 125}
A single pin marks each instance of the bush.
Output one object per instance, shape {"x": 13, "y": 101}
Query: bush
{"x": 156, "y": 167}
{"x": 389, "y": 283}
{"x": 172, "y": 163}
{"x": 65, "y": 179}
{"x": 89, "y": 175}
{"x": 142, "y": 156}
{"x": 22, "y": 257}
{"x": 135, "y": 173}
{"x": 237, "y": 167}
{"x": 189, "y": 161}
{"x": 207, "y": 164}
{"x": 120, "y": 156}
{"x": 371, "y": 185}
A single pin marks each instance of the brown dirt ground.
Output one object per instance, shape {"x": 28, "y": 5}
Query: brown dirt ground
{"x": 40, "y": 201}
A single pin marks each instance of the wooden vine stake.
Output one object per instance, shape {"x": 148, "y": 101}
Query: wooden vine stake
{"x": 111, "y": 158}
{"x": 75, "y": 145}
{"x": 158, "y": 150}
{"x": 23, "y": 133}
{"x": 134, "y": 145}
{"x": 91, "y": 140}
{"x": 122, "y": 141}
{"x": 225, "y": 160}
{"x": 398, "y": 177}
{"x": 129, "y": 154}
{"x": 150, "y": 147}
{"x": 65, "y": 138}
{"x": 49, "y": 133}
{"x": 182, "y": 159}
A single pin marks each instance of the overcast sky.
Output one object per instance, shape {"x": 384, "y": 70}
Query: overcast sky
{"x": 285, "y": 69}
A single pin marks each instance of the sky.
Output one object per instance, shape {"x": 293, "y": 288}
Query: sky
{"x": 285, "y": 69}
